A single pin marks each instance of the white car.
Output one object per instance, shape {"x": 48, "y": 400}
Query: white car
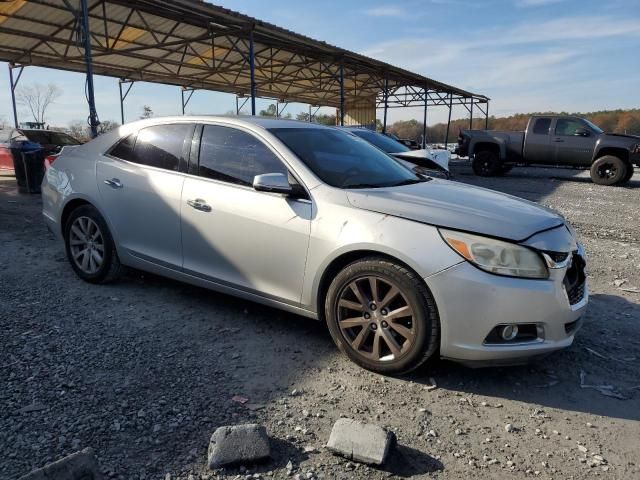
{"x": 428, "y": 158}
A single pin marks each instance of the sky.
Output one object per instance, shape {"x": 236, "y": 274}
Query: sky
{"x": 526, "y": 55}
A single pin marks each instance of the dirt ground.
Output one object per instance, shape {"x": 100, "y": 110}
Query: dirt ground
{"x": 145, "y": 369}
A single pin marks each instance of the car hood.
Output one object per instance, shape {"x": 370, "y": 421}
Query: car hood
{"x": 623, "y": 135}
{"x": 439, "y": 157}
{"x": 457, "y": 206}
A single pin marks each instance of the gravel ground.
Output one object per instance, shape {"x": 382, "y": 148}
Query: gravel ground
{"x": 145, "y": 369}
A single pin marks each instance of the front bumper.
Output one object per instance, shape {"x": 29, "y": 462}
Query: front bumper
{"x": 471, "y": 303}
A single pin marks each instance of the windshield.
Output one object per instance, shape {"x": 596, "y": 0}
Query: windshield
{"x": 343, "y": 160}
{"x": 594, "y": 127}
{"x": 50, "y": 138}
{"x": 381, "y": 141}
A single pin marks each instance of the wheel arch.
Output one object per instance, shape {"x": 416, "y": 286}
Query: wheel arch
{"x": 621, "y": 153}
{"x": 491, "y": 146}
{"x": 344, "y": 259}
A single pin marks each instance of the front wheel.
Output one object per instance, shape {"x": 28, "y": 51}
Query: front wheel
{"x": 90, "y": 247}
{"x": 382, "y": 316}
{"x": 609, "y": 170}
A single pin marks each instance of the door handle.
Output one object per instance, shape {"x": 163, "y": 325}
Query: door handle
{"x": 113, "y": 183}
{"x": 199, "y": 204}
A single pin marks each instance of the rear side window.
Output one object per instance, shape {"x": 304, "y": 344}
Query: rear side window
{"x": 234, "y": 156}
{"x": 124, "y": 149}
{"x": 158, "y": 146}
{"x": 541, "y": 127}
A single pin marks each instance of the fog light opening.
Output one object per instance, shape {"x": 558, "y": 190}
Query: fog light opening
{"x": 509, "y": 332}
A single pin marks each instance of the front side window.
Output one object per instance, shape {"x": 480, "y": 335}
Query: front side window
{"x": 343, "y": 160}
{"x": 234, "y": 156}
{"x": 567, "y": 127}
{"x": 541, "y": 127}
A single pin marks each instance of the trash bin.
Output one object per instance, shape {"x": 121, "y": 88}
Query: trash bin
{"x": 29, "y": 170}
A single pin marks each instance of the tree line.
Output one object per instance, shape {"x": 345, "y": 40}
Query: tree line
{"x": 615, "y": 121}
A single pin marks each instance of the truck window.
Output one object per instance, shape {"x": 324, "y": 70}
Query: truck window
{"x": 541, "y": 127}
{"x": 566, "y": 127}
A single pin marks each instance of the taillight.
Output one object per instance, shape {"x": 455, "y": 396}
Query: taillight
{"x": 49, "y": 159}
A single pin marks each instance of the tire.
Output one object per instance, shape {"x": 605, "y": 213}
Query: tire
{"x": 629, "y": 174}
{"x": 486, "y": 163}
{"x": 609, "y": 170}
{"x": 404, "y": 327}
{"x": 86, "y": 231}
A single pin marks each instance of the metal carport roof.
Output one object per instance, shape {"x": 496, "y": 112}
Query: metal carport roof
{"x": 197, "y": 45}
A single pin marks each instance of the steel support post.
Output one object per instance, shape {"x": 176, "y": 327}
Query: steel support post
{"x": 424, "y": 119}
{"x": 486, "y": 117}
{"x": 471, "y": 116}
{"x": 252, "y": 71}
{"x": 188, "y": 98}
{"x": 341, "y": 93}
{"x": 446, "y": 138}
{"x": 88, "y": 59}
{"x": 14, "y": 84}
{"x": 386, "y": 104}
{"x": 123, "y": 97}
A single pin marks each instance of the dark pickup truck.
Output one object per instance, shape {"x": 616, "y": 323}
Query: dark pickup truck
{"x": 553, "y": 140}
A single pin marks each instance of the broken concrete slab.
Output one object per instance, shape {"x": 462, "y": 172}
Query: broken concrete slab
{"x": 362, "y": 442}
{"x": 80, "y": 465}
{"x": 234, "y": 445}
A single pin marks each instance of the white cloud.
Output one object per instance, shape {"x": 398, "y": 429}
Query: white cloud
{"x": 386, "y": 12}
{"x": 536, "y": 3}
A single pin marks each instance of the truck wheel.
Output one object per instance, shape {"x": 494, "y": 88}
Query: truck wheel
{"x": 608, "y": 170}
{"x": 486, "y": 163}
{"x": 629, "y": 174}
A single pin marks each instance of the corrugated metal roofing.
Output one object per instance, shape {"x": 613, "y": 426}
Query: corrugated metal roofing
{"x": 198, "y": 45}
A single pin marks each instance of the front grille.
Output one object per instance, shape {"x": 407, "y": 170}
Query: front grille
{"x": 574, "y": 280}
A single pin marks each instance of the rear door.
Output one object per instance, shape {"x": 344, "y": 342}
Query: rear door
{"x": 140, "y": 183}
{"x": 538, "y": 147}
{"x": 571, "y": 148}
{"x": 235, "y": 235}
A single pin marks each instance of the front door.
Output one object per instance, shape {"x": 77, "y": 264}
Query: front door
{"x": 572, "y": 147}
{"x": 140, "y": 185}
{"x": 538, "y": 148}
{"x": 235, "y": 235}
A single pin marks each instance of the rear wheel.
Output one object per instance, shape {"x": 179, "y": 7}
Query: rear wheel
{"x": 609, "y": 170}
{"x": 90, "y": 247}
{"x": 629, "y": 174}
{"x": 382, "y": 316}
{"x": 486, "y": 163}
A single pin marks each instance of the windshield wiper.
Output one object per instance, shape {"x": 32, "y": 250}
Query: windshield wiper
{"x": 411, "y": 181}
{"x": 362, "y": 185}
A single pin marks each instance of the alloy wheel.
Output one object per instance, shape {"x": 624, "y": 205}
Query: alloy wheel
{"x": 87, "y": 245}
{"x": 607, "y": 170}
{"x": 376, "y": 319}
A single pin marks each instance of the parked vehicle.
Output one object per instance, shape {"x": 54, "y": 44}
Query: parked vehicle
{"x": 554, "y": 140}
{"x": 316, "y": 221}
{"x": 427, "y": 159}
{"x": 411, "y": 144}
{"x": 14, "y": 140}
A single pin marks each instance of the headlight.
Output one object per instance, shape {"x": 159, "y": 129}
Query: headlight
{"x": 495, "y": 256}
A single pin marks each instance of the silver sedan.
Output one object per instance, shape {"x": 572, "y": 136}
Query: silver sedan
{"x": 313, "y": 220}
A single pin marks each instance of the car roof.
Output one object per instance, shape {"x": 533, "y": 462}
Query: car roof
{"x": 263, "y": 122}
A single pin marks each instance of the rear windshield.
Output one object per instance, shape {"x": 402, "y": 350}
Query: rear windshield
{"x": 381, "y": 141}
{"x": 50, "y": 138}
{"x": 343, "y": 160}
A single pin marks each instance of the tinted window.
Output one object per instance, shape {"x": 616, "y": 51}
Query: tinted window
{"x": 234, "y": 156}
{"x": 568, "y": 127}
{"x": 381, "y": 141}
{"x": 37, "y": 136}
{"x": 161, "y": 145}
{"x": 58, "y": 138}
{"x": 343, "y": 160}
{"x": 124, "y": 149}
{"x": 541, "y": 127}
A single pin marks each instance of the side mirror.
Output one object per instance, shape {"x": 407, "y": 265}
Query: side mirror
{"x": 582, "y": 132}
{"x": 272, "y": 182}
